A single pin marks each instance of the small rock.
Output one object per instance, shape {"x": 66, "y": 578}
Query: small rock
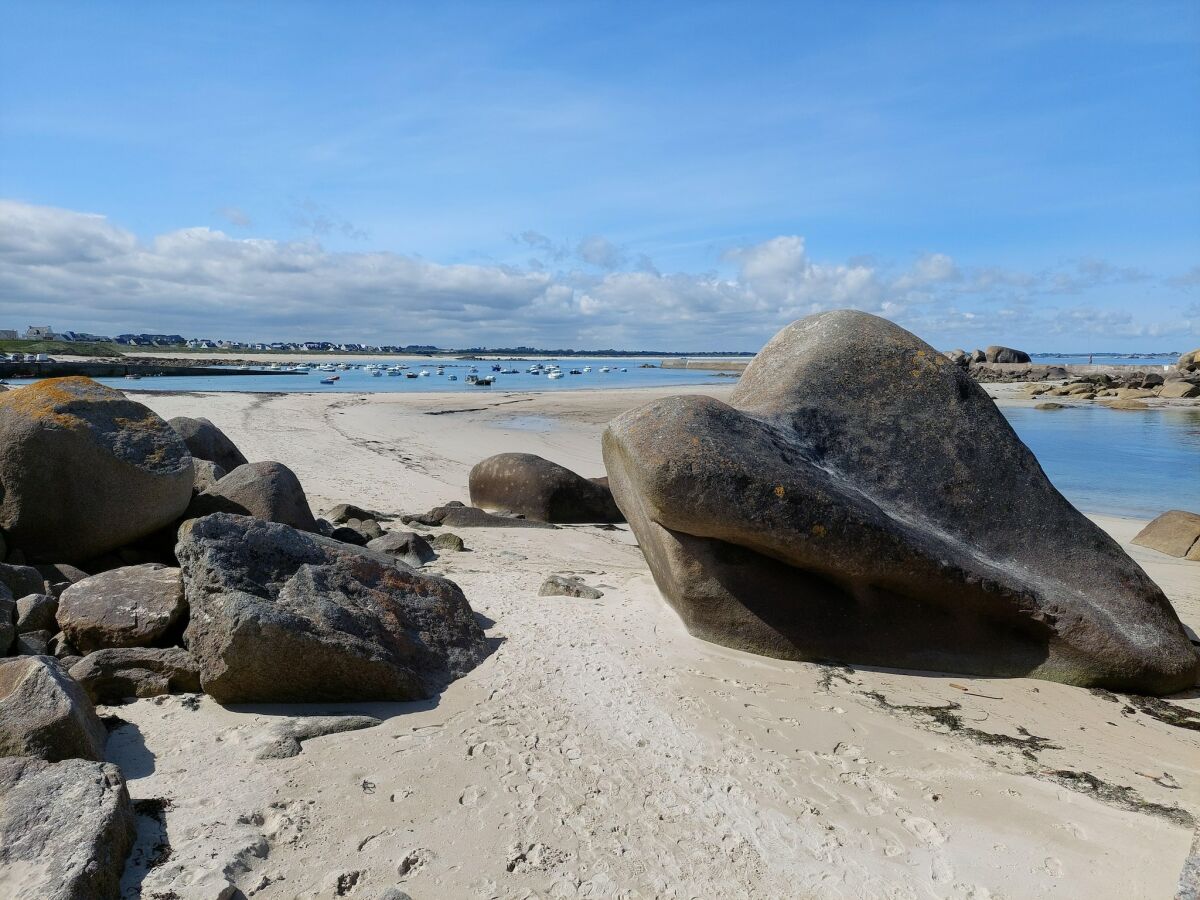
{"x": 37, "y": 612}
{"x": 406, "y": 546}
{"x": 133, "y": 606}
{"x": 44, "y": 713}
{"x": 1050, "y": 405}
{"x": 562, "y": 586}
{"x": 284, "y": 739}
{"x": 34, "y": 643}
{"x": 448, "y": 541}
{"x": 348, "y": 535}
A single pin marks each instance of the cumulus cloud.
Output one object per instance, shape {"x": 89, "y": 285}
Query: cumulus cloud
{"x": 81, "y": 271}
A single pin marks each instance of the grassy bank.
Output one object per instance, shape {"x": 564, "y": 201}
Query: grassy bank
{"x": 73, "y": 348}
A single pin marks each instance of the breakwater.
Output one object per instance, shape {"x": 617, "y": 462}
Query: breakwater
{"x": 119, "y": 369}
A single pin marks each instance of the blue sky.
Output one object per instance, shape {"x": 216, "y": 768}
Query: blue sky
{"x": 679, "y": 176}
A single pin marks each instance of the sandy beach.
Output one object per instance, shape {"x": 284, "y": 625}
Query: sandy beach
{"x": 601, "y": 751}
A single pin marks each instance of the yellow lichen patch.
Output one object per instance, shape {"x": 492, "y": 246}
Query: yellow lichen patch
{"x": 43, "y": 401}
{"x": 818, "y": 530}
{"x": 779, "y": 491}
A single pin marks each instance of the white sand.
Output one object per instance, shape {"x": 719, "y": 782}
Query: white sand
{"x": 603, "y": 752}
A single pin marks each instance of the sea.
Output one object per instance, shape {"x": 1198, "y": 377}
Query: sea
{"x": 1125, "y": 463}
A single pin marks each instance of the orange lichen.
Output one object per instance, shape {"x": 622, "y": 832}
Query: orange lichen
{"x": 44, "y": 401}
{"x": 818, "y": 530}
{"x": 779, "y": 491}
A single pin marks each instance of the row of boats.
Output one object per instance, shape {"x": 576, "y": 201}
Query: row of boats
{"x": 551, "y": 371}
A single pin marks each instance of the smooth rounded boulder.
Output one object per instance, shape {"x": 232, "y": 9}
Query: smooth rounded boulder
{"x": 997, "y": 354}
{"x": 206, "y": 441}
{"x": 1175, "y": 533}
{"x": 84, "y": 470}
{"x": 530, "y": 486}
{"x": 280, "y": 615}
{"x": 134, "y": 606}
{"x": 832, "y": 512}
{"x": 44, "y": 713}
{"x": 265, "y": 490}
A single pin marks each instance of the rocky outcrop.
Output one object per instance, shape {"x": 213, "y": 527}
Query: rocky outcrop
{"x": 408, "y": 547}
{"x": 44, "y": 713}
{"x": 206, "y": 441}
{"x": 536, "y": 488}
{"x": 134, "y": 606}
{"x": 65, "y": 829}
{"x": 831, "y": 511}
{"x": 265, "y": 490}
{"x": 1189, "y": 362}
{"x": 110, "y": 676}
{"x": 1175, "y": 533}
{"x": 281, "y": 615}
{"x": 1179, "y": 390}
{"x": 998, "y": 354}
{"x": 85, "y": 470}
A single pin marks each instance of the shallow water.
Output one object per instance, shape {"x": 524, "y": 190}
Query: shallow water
{"x": 1128, "y": 463}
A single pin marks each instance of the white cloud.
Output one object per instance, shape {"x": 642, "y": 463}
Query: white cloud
{"x": 81, "y": 271}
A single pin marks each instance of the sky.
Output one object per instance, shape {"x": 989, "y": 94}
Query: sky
{"x": 672, "y": 176}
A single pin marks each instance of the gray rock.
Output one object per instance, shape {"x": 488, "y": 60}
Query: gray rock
{"x": 208, "y": 442}
{"x": 959, "y": 357}
{"x": 536, "y": 488}
{"x": 1175, "y": 533}
{"x": 832, "y": 511}
{"x": 134, "y": 606}
{"x": 44, "y": 713}
{"x": 265, "y": 490}
{"x": 406, "y": 546}
{"x": 368, "y": 528}
{"x": 280, "y": 615}
{"x": 116, "y": 470}
{"x": 459, "y": 516}
{"x": 36, "y": 612}
{"x": 997, "y": 354}
{"x": 283, "y": 739}
{"x": 394, "y": 893}
{"x": 62, "y": 649}
{"x": 1179, "y": 390}
{"x": 344, "y": 512}
{"x": 563, "y": 586}
{"x": 65, "y": 829}
{"x": 448, "y": 541}
{"x": 348, "y": 535}
{"x": 22, "y": 580}
{"x": 110, "y": 676}
{"x": 978, "y": 356}
{"x": 207, "y": 474}
{"x": 59, "y": 573}
{"x": 33, "y": 643}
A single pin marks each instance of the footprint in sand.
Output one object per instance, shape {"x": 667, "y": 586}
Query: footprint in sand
{"x": 925, "y": 830}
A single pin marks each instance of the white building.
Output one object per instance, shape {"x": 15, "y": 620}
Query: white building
{"x": 39, "y": 333}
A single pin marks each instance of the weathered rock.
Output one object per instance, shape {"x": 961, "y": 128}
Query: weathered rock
{"x": 207, "y": 474}
{"x": 409, "y": 548}
{"x": 997, "y": 354}
{"x": 455, "y": 515}
{"x": 1189, "y": 362}
{"x": 832, "y": 511}
{"x": 978, "y": 356}
{"x": 280, "y": 615}
{"x": 36, "y": 612}
{"x": 44, "y": 713}
{"x": 206, "y": 441}
{"x": 1175, "y": 533}
{"x": 110, "y": 676}
{"x": 1179, "y": 390}
{"x": 21, "y": 580}
{"x": 537, "y": 488}
{"x": 564, "y": 586}
{"x": 368, "y": 528}
{"x": 134, "y": 606}
{"x": 1152, "y": 380}
{"x": 62, "y": 649}
{"x": 59, "y": 573}
{"x": 344, "y": 512}
{"x": 265, "y": 490}
{"x": 1050, "y": 405}
{"x": 960, "y": 358}
{"x": 448, "y": 541}
{"x": 33, "y": 643}
{"x": 65, "y": 829}
{"x": 348, "y": 535}
{"x": 283, "y": 740}
{"x": 85, "y": 470}
{"x": 1126, "y": 404}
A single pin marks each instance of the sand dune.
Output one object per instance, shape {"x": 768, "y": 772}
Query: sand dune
{"x": 600, "y": 751}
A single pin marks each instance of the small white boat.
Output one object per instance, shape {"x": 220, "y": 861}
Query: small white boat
{"x": 604, "y": 370}
{"x": 133, "y": 377}
{"x": 376, "y": 373}
{"x": 424, "y": 372}
{"x": 410, "y": 374}
{"x": 329, "y": 380}
{"x": 554, "y": 374}
{"x": 587, "y": 368}
{"x": 394, "y": 372}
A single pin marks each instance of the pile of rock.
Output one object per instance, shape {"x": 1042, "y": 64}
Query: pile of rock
{"x": 1124, "y": 390}
{"x": 832, "y": 511}
{"x": 145, "y": 558}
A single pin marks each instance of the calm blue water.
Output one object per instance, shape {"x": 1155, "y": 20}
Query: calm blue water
{"x": 1126, "y": 463}
{"x": 1100, "y": 359}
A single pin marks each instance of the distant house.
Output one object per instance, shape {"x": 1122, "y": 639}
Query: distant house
{"x": 39, "y": 333}
{"x": 85, "y": 336}
{"x": 8, "y": 334}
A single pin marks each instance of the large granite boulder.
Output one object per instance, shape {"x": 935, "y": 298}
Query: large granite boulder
{"x": 85, "y": 470}
{"x": 1179, "y": 390}
{"x": 206, "y": 441}
{"x": 109, "y": 676}
{"x": 1189, "y": 362}
{"x": 44, "y": 713}
{"x": 537, "y": 488}
{"x": 1175, "y": 533}
{"x": 832, "y": 511}
{"x": 21, "y": 580}
{"x": 265, "y": 490}
{"x": 285, "y": 616}
{"x": 998, "y": 354}
{"x": 134, "y": 606}
{"x": 65, "y": 829}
